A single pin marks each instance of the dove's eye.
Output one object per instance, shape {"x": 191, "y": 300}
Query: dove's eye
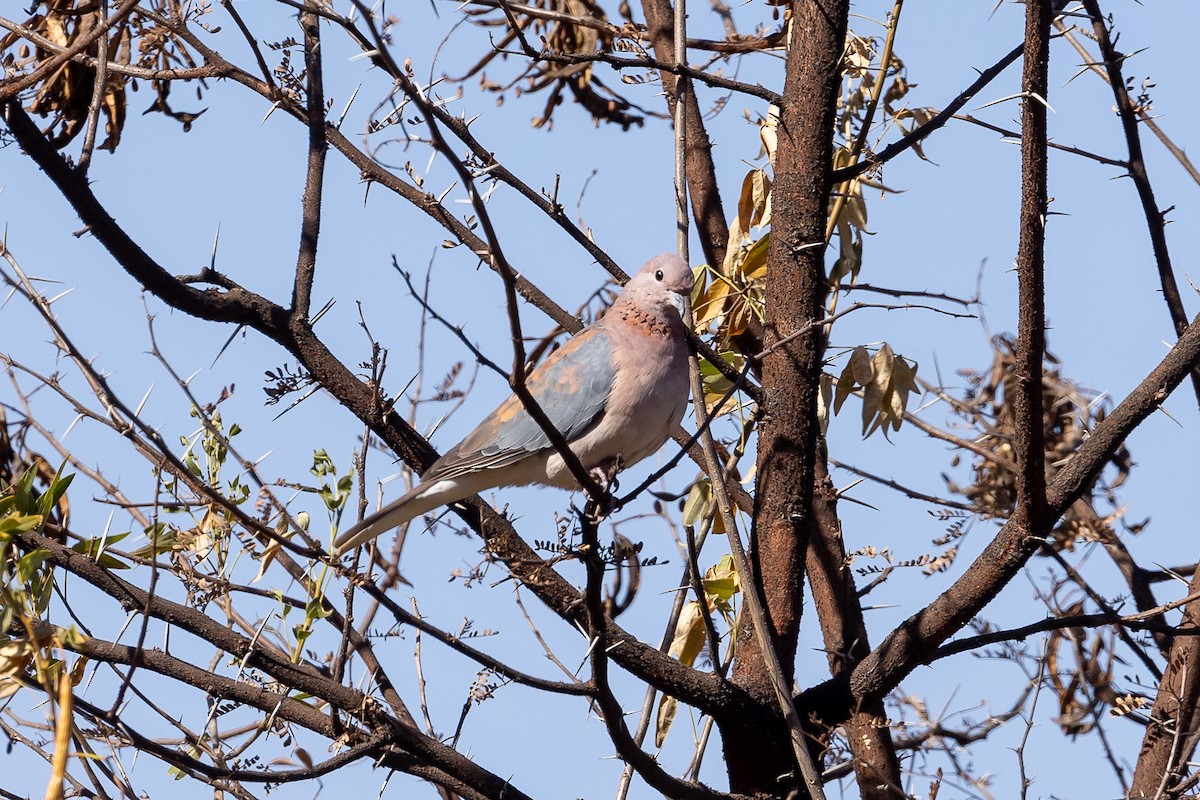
{"x": 658, "y": 276}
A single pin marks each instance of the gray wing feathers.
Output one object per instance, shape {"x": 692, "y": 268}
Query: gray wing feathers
{"x": 572, "y": 388}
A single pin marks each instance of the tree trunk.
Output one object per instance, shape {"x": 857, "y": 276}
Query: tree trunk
{"x": 1170, "y": 737}
{"x": 795, "y": 295}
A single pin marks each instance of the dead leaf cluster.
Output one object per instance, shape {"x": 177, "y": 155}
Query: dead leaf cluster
{"x": 572, "y": 27}
{"x": 66, "y": 95}
{"x": 1071, "y": 412}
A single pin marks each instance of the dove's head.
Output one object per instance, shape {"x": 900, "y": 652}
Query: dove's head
{"x": 663, "y": 286}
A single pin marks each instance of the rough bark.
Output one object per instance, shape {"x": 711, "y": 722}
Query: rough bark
{"x": 1170, "y": 738}
{"x": 795, "y": 293}
{"x": 1029, "y": 446}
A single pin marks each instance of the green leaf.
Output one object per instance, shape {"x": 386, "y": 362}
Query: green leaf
{"x": 30, "y": 563}
{"x": 111, "y": 562}
{"x": 322, "y": 464}
{"x": 54, "y": 493}
{"x": 19, "y": 523}
{"x": 161, "y": 540}
{"x": 699, "y": 506}
{"x": 23, "y": 492}
{"x": 95, "y": 548}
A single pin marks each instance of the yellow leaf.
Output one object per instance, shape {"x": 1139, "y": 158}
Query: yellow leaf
{"x": 896, "y": 91}
{"x": 903, "y": 383}
{"x": 754, "y": 200}
{"x": 712, "y": 304}
{"x": 874, "y": 390}
{"x": 754, "y": 265}
{"x": 850, "y": 249}
{"x": 667, "y": 707}
{"x": 769, "y": 132}
{"x": 841, "y": 157}
{"x": 858, "y": 372}
{"x": 882, "y": 365}
{"x": 77, "y": 670}
{"x": 862, "y": 366}
{"x": 14, "y": 657}
{"x": 764, "y": 219}
{"x": 700, "y": 280}
{"x": 721, "y": 583}
{"x": 269, "y": 554}
{"x": 698, "y": 503}
{"x": 745, "y": 206}
{"x": 690, "y": 635}
{"x": 824, "y": 399}
{"x": 856, "y": 206}
{"x": 62, "y": 739}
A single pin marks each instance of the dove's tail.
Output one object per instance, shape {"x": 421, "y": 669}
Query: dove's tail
{"x": 425, "y": 497}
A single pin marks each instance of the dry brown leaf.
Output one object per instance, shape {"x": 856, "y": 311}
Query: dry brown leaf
{"x": 689, "y": 640}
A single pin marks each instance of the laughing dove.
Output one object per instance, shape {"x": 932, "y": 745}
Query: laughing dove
{"x": 616, "y": 391}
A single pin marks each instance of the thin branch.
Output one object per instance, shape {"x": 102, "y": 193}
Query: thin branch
{"x": 1112, "y": 162}
{"x": 251, "y": 41}
{"x": 1155, "y": 217}
{"x": 99, "y": 89}
{"x": 905, "y": 490}
{"x": 732, "y": 45}
{"x": 314, "y": 179}
{"x": 1141, "y": 621}
{"x": 619, "y": 63}
{"x": 1143, "y": 113}
{"x": 455, "y": 643}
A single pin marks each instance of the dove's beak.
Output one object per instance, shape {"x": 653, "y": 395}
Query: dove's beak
{"x": 682, "y": 303}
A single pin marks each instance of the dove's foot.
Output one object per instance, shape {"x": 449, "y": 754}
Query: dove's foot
{"x": 605, "y": 476}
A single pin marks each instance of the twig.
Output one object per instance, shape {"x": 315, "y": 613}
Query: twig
{"x": 1112, "y": 162}
{"x": 860, "y": 141}
{"x": 99, "y": 89}
{"x": 918, "y": 135}
{"x": 1143, "y": 620}
{"x": 1142, "y": 113}
{"x": 252, "y": 42}
{"x": 908, "y": 492}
